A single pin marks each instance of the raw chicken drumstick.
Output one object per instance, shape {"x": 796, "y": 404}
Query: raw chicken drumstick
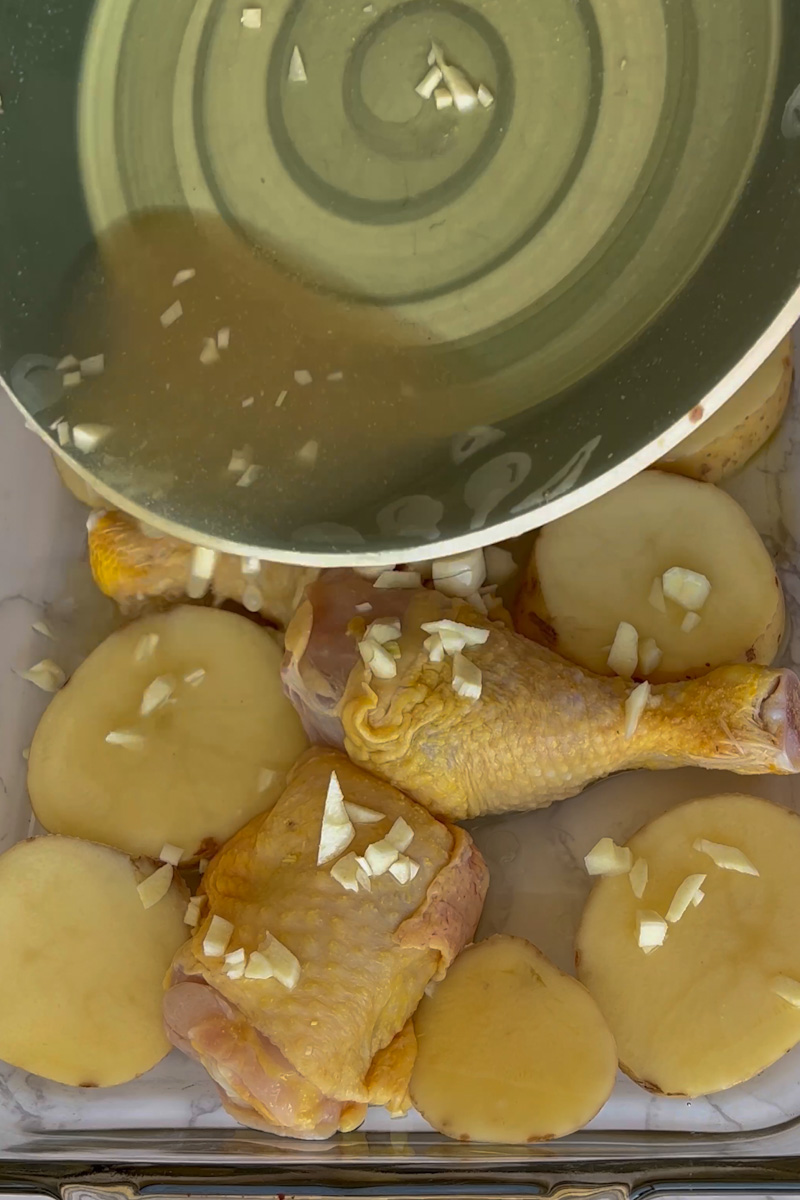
{"x": 542, "y": 728}
{"x": 133, "y": 568}
{"x": 307, "y": 1059}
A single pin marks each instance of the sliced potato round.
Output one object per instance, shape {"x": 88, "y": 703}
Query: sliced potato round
{"x": 700, "y": 1013}
{"x": 740, "y": 428}
{"x": 82, "y": 989}
{"x": 596, "y": 568}
{"x": 510, "y": 1049}
{"x": 210, "y": 754}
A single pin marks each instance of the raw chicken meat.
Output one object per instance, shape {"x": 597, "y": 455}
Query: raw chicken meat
{"x": 133, "y": 568}
{"x": 542, "y": 729}
{"x": 308, "y": 1061}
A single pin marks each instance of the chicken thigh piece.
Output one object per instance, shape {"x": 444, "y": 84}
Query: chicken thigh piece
{"x": 307, "y": 1059}
{"x": 542, "y": 728}
{"x": 135, "y": 568}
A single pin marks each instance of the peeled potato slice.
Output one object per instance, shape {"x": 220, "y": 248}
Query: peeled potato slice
{"x": 210, "y": 754}
{"x": 595, "y": 568}
{"x": 510, "y": 1049}
{"x": 700, "y": 1013}
{"x": 740, "y": 428}
{"x": 81, "y": 993}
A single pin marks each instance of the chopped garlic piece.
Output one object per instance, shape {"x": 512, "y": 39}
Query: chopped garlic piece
{"x": 258, "y": 967}
{"x": 726, "y": 857}
{"x": 380, "y": 856}
{"x": 210, "y": 352}
{"x": 378, "y": 659}
{"x": 401, "y": 835}
{"x": 656, "y": 597}
{"x": 297, "y": 68}
{"x": 364, "y": 608}
{"x": 252, "y": 598}
{"x": 156, "y": 695}
{"x": 171, "y": 854}
{"x": 63, "y": 433}
{"x": 698, "y": 898}
{"x": 384, "y": 630}
{"x": 651, "y": 930}
{"x": 46, "y": 675}
{"x": 67, "y": 363}
{"x": 308, "y": 453}
{"x": 201, "y": 569}
{"x": 124, "y": 737}
{"x": 71, "y": 379}
{"x": 434, "y": 648}
{"x": 196, "y": 677}
{"x": 477, "y": 602}
{"x": 788, "y": 989}
{"x": 649, "y": 656}
{"x": 466, "y": 635}
{"x": 462, "y": 91}
{"x": 235, "y": 972}
{"x": 156, "y": 886}
{"x": 172, "y": 314}
{"x": 93, "y": 366}
{"x": 404, "y": 869}
{"x": 608, "y": 859}
{"x": 690, "y": 622}
{"x": 235, "y": 958}
{"x": 145, "y": 647}
{"x": 389, "y": 580}
{"x": 690, "y": 589}
{"x": 240, "y": 460}
{"x": 218, "y": 936}
{"x": 460, "y": 574}
{"x": 281, "y": 397}
{"x": 623, "y": 656}
{"x": 442, "y": 98}
{"x": 251, "y": 18}
{"x": 203, "y": 865}
{"x": 426, "y": 87}
{"x": 192, "y": 915}
{"x": 485, "y": 97}
{"x": 304, "y": 378}
{"x": 266, "y": 778}
{"x": 223, "y": 338}
{"x": 634, "y": 707}
{"x": 184, "y": 276}
{"x": 88, "y": 437}
{"x": 336, "y": 832}
{"x": 250, "y": 566}
{"x": 249, "y": 476}
{"x": 684, "y": 896}
{"x": 500, "y": 565}
{"x": 335, "y": 376}
{"x": 360, "y": 815}
{"x": 637, "y": 877}
{"x": 248, "y": 402}
{"x": 43, "y": 628}
{"x": 467, "y": 678}
{"x": 26, "y": 753}
{"x": 285, "y": 966}
{"x": 345, "y": 872}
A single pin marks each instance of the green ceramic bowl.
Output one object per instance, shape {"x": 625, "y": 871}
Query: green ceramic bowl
{"x": 415, "y": 320}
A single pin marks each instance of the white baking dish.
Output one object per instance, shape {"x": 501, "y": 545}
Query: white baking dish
{"x": 538, "y": 884}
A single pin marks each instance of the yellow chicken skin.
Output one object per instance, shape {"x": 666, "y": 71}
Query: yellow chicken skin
{"x": 542, "y": 728}
{"x": 307, "y": 1061}
{"x": 135, "y": 568}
